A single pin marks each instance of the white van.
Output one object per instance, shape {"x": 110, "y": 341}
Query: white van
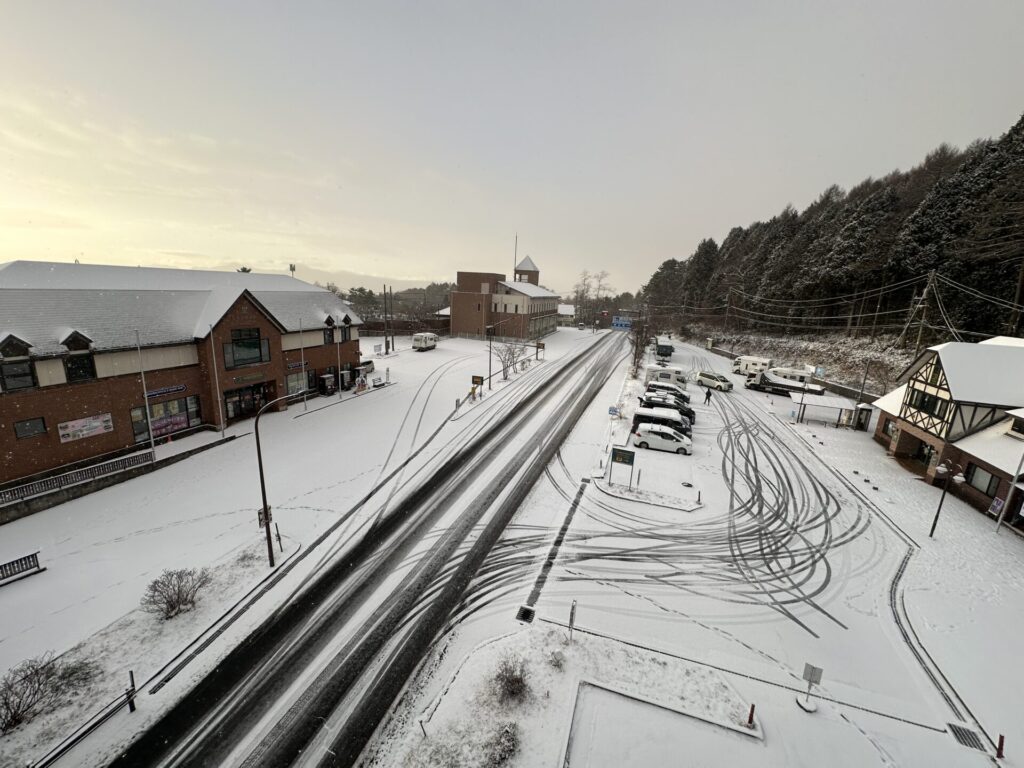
{"x": 747, "y": 364}
{"x": 672, "y": 374}
{"x": 714, "y": 381}
{"x": 421, "y": 342}
{"x": 662, "y": 439}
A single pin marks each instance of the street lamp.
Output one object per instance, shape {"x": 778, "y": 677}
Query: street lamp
{"x": 259, "y": 462}
{"x": 943, "y": 471}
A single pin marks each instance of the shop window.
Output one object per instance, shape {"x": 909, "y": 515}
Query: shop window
{"x": 294, "y": 382}
{"x": 29, "y": 428}
{"x": 80, "y": 368}
{"x": 166, "y": 418}
{"x": 17, "y": 375}
{"x": 982, "y": 480}
{"x": 246, "y": 348}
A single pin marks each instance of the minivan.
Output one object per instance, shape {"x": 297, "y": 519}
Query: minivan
{"x": 679, "y": 390}
{"x": 663, "y": 400}
{"x": 664, "y": 416}
{"x": 421, "y": 342}
{"x": 714, "y": 381}
{"x": 662, "y": 439}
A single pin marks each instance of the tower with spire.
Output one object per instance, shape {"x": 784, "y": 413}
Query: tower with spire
{"x": 527, "y": 272}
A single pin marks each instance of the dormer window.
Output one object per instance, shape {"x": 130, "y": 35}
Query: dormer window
{"x": 16, "y": 370}
{"x": 77, "y": 342}
{"x": 12, "y": 346}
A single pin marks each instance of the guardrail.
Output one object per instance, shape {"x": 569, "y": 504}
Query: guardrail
{"x": 19, "y": 566}
{"x": 57, "y": 482}
{"x": 126, "y": 699}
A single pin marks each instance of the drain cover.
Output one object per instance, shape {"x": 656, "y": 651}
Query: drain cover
{"x": 966, "y": 736}
{"x": 525, "y": 613}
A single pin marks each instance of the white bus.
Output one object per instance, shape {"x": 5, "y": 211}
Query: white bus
{"x": 421, "y": 342}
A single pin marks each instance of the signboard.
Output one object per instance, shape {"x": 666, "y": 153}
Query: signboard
{"x": 378, "y": 348}
{"x": 166, "y": 391}
{"x": 613, "y": 411}
{"x": 622, "y": 456}
{"x": 249, "y": 377}
{"x": 540, "y": 345}
{"x": 300, "y": 364}
{"x": 620, "y": 323}
{"x": 478, "y": 381}
{"x": 996, "y": 507}
{"x": 90, "y": 426}
{"x": 812, "y": 674}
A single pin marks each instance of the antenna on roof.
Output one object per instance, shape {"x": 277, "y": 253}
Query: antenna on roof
{"x": 515, "y": 258}
{"x": 291, "y": 268}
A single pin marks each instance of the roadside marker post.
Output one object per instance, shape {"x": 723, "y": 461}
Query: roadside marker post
{"x": 130, "y": 691}
{"x": 1000, "y": 746}
{"x": 750, "y": 717}
{"x": 572, "y": 620}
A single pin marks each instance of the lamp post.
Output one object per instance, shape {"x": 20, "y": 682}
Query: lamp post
{"x": 943, "y": 471}
{"x": 263, "y": 484}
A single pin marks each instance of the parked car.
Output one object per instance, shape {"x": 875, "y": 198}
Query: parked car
{"x": 667, "y": 417}
{"x": 664, "y": 400}
{"x": 713, "y": 381}
{"x": 662, "y": 438}
{"x": 678, "y": 390}
{"x": 366, "y": 366}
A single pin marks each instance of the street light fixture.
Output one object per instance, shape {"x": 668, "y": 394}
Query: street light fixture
{"x": 259, "y": 462}
{"x": 943, "y": 471}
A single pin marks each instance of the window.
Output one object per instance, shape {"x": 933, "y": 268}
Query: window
{"x": 328, "y": 335}
{"x": 1017, "y": 426}
{"x": 294, "y": 382}
{"x": 29, "y": 428}
{"x": 505, "y": 310}
{"x": 889, "y": 427}
{"x": 929, "y": 404}
{"x": 17, "y": 376}
{"x": 80, "y": 368}
{"x": 246, "y": 348}
{"x": 984, "y": 481}
{"x": 166, "y": 417}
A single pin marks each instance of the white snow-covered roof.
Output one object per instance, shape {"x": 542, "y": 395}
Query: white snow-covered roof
{"x": 994, "y": 446}
{"x": 51, "y": 274}
{"x": 824, "y": 401}
{"x": 526, "y": 265}
{"x": 566, "y": 309}
{"x": 446, "y": 312}
{"x": 984, "y": 373}
{"x": 891, "y": 402}
{"x": 43, "y": 318}
{"x": 1006, "y": 341}
{"x": 529, "y": 289}
{"x": 1017, "y": 413}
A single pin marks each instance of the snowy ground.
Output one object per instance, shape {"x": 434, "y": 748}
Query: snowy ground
{"x": 102, "y": 549}
{"x": 791, "y": 558}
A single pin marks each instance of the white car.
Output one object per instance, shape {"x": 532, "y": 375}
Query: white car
{"x": 661, "y": 438}
{"x": 713, "y": 381}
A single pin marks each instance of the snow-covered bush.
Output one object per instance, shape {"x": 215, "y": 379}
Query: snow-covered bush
{"x": 37, "y": 685}
{"x": 511, "y": 679}
{"x": 174, "y": 591}
{"x": 500, "y": 748}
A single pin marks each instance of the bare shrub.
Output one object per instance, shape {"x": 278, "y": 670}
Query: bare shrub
{"x": 37, "y": 685}
{"x": 510, "y": 681}
{"x": 174, "y": 591}
{"x": 502, "y": 745}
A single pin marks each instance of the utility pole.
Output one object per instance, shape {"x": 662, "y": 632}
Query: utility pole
{"x": 1016, "y": 316}
{"x": 384, "y": 298}
{"x": 392, "y": 291}
{"x": 924, "y": 313}
{"x": 145, "y": 397}
{"x": 874, "y": 320}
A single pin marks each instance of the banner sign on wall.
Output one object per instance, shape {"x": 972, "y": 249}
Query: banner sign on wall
{"x": 165, "y": 391}
{"x": 90, "y": 426}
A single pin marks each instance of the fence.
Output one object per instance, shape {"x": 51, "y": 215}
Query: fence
{"x": 57, "y": 482}
{"x": 19, "y": 566}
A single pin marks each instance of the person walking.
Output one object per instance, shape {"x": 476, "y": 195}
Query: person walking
{"x": 707, "y": 395}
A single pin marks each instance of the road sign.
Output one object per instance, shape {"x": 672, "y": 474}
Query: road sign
{"x": 478, "y": 381}
{"x": 540, "y": 345}
{"x": 622, "y": 456}
{"x": 620, "y": 323}
{"x": 613, "y": 411}
{"x": 377, "y": 348}
{"x": 812, "y": 674}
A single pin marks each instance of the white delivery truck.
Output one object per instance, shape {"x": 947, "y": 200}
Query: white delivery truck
{"x": 665, "y": 373}
{"x": 747, "y": 364}
{"x": 421, "y": 342}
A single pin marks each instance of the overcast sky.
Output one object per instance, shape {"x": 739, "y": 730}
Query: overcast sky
{"x": 410, "y": 140}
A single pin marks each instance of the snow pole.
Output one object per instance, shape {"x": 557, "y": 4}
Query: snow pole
{"x": 572, "y": 620}
{"x": 1000, "y": 745}
{"x": 422, "y": 728}
{"x": 750, "y": 717}
{"x": 130, "y": 691}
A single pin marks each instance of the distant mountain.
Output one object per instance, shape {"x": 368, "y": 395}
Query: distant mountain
{"x": 858, "y": 259}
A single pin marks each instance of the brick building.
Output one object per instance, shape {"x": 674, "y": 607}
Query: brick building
{"x": 520, "y": 308}
{"x": 960, "y": 406}
{"x": 214, "y": 348}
